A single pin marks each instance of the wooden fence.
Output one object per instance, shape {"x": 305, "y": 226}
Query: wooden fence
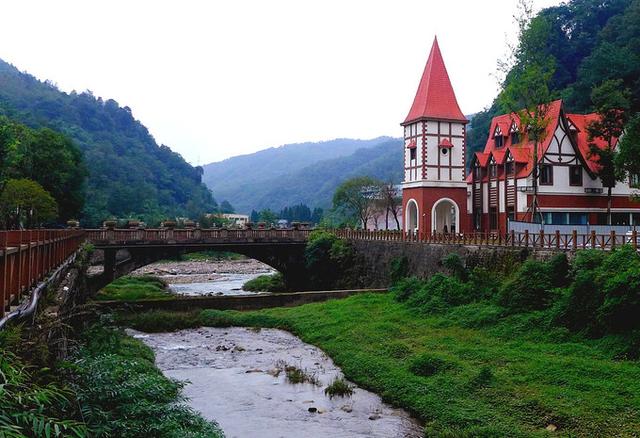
{"x": 565, "y": 242}
{"x": 27, "y": 256}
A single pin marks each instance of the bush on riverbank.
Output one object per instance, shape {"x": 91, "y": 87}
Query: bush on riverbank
{"x": 131, "y": 288}
{"x": 266, "y": 283}
{"x": 123, "y": 394}
{"x": 328, "y": 259}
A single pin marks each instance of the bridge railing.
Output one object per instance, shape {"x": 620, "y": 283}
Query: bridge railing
{"x": 27, "y": 256}
{"x": 567, "y": 242}
{"x": 212, "y": 235}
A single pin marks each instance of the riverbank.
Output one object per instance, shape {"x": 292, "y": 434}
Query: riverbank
{"x": 456, "y": 371}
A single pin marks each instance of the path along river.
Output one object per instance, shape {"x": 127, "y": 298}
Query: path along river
{"x": 236, "y": 376}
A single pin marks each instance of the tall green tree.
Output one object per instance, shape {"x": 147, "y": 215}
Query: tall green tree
{"x": 357, "y": 197}
{"x": 628, "y": 157}
{"x": 24, "y": 203}
{"x": 611, "y": 102}
{"x": 526, "y": 87}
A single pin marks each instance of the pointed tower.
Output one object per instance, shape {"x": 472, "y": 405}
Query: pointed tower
{"x": 434, "y": 190}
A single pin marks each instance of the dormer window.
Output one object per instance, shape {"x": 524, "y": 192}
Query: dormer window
{"x": 515, "y": 133}
{"x": 493, "y": 170}
{"x": 499, "y": 141}
{"x": 508, "y": 168}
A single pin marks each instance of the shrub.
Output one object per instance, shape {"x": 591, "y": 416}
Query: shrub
{"x": 483, "y": 378}
{"x": 339, "y": 388}
{"x": 453, "y": 262}
{"x": 326, "y": 259}
{"x": 266, "y": 283}
{"x": 440, "y": 292}
{"x": 559, "y": 270}
{"x": 530, "y": 288}
{"x": 398, "y": 269}
{"x": 427, "y": 364}
{"x": 406, "y": 287}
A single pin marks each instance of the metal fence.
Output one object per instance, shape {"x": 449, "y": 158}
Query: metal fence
{"x": 27, "y": 256}
{"x": 521, "y": 227}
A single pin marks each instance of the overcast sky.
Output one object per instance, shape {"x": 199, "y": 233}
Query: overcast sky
{"x": 214, "y": 79}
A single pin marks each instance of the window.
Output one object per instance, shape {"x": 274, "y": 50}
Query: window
{"x": 616, "y": 218}
{"x": 509, "y": 168}
{"x": 546, "y": 174}
{"x": 578, "y": 218}
{"x": 499, "y": 141}
{"x": 445, "y": 151}
{"x": 634, "y": 180}
{"x": 515, "y": 137}
{"x": 511, "y": 213}
{"x": 477, "y": 219}
{"x": 493, "y": 169}
{"x": 412, "y": 153}
{"x": 476, "y": 171}
{"x": 493, "y": 218}
{"x": 635, "y": 218}
{"x": 575, "y": 175}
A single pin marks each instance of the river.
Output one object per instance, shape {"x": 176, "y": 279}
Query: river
{"x": 237, "y": 376}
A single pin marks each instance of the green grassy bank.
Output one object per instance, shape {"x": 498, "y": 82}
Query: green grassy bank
{"x": 131, "y": 288}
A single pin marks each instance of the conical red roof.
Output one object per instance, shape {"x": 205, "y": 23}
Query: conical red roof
{"x": 435, "y": 98}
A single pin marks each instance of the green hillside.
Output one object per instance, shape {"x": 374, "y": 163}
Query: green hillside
{"x": 304, "y": 173}
{"x": 129, "y": 174}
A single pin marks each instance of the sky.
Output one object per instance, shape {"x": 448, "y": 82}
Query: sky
{"x": 215, "y": 79}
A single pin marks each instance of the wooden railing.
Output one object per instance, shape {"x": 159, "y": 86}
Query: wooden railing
{"x": 565, "y": 242}
{"x": 27, "y": 256}
{"x": 196, "y": 236}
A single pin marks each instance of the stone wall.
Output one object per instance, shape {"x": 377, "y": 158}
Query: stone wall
{"x": 373, "y": 265}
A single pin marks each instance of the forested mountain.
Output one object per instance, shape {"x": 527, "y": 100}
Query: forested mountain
{"x": 306, "y": 173}
{"x": 129, "y": 174}
{"x": 588, "y": 42}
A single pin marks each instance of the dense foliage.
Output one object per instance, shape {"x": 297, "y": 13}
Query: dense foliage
{"x": 36, "y": 164}
{"x": 266, "y": 283}
{"x": 586, "y": 42}
{"x": 327, "y": 259}
{"x": 129, "y": 175}
{"x": 596, "y": 295}
{"x": 129, "y": 288}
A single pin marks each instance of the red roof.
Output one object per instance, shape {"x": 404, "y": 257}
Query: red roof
{"x": 435, "y": 98}
{"x": 522, "y": 151}
{"x": 412, "y": 144}
{"x": 581, "y": 122}
{"x": 483, "y": 159}
{"x": 445, "y": 143}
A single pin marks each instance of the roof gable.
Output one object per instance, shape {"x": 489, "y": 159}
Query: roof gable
{"x": 435, "y": 98}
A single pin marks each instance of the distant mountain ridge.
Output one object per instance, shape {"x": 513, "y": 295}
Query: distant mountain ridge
{"x": 302, "y": 172}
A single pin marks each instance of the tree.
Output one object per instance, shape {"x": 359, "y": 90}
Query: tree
{"x": 268, "y": 217}
{"x": 357, "y": 197}
{"x": 392, "y": 203}
{"x": 526, "y": 87}
{"x": 255, "y": 216}
{"x": 24, "y": 203}
{"x": 628, "y": 157}
{"x": 611, "y": 102}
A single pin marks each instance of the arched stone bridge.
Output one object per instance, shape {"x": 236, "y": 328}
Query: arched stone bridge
{"x": 129, "y": 249}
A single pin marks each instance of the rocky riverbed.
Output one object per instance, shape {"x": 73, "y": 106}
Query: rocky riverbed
{"x": 236, "y": 376}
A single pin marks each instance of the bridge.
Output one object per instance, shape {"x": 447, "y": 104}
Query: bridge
{"x": 27, "y": 257}
{"x": 126, "y": 250}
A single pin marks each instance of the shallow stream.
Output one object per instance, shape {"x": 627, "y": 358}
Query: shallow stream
{"x": 236, "y": 377}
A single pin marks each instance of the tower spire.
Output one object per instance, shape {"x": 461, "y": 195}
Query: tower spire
{"x": 435, "y": 98}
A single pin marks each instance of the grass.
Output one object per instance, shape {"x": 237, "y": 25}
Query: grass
{"x": 479, "y": 374}
{"x": 338, "y": 388}
{"x": 130, "y": 288}
{"x": 266, "y": 283}
{"x": 296, "y": 375}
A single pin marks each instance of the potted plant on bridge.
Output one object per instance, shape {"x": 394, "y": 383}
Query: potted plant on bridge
{"x": 133, "y": 223}
{"x": 168, "y": 224}
{"x": 110, "y": 224}
{"x": 73, "y": 223}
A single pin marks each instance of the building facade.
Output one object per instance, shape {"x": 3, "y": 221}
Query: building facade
{"x": 434, "y": 190}
{"x": 438, "y": 195}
